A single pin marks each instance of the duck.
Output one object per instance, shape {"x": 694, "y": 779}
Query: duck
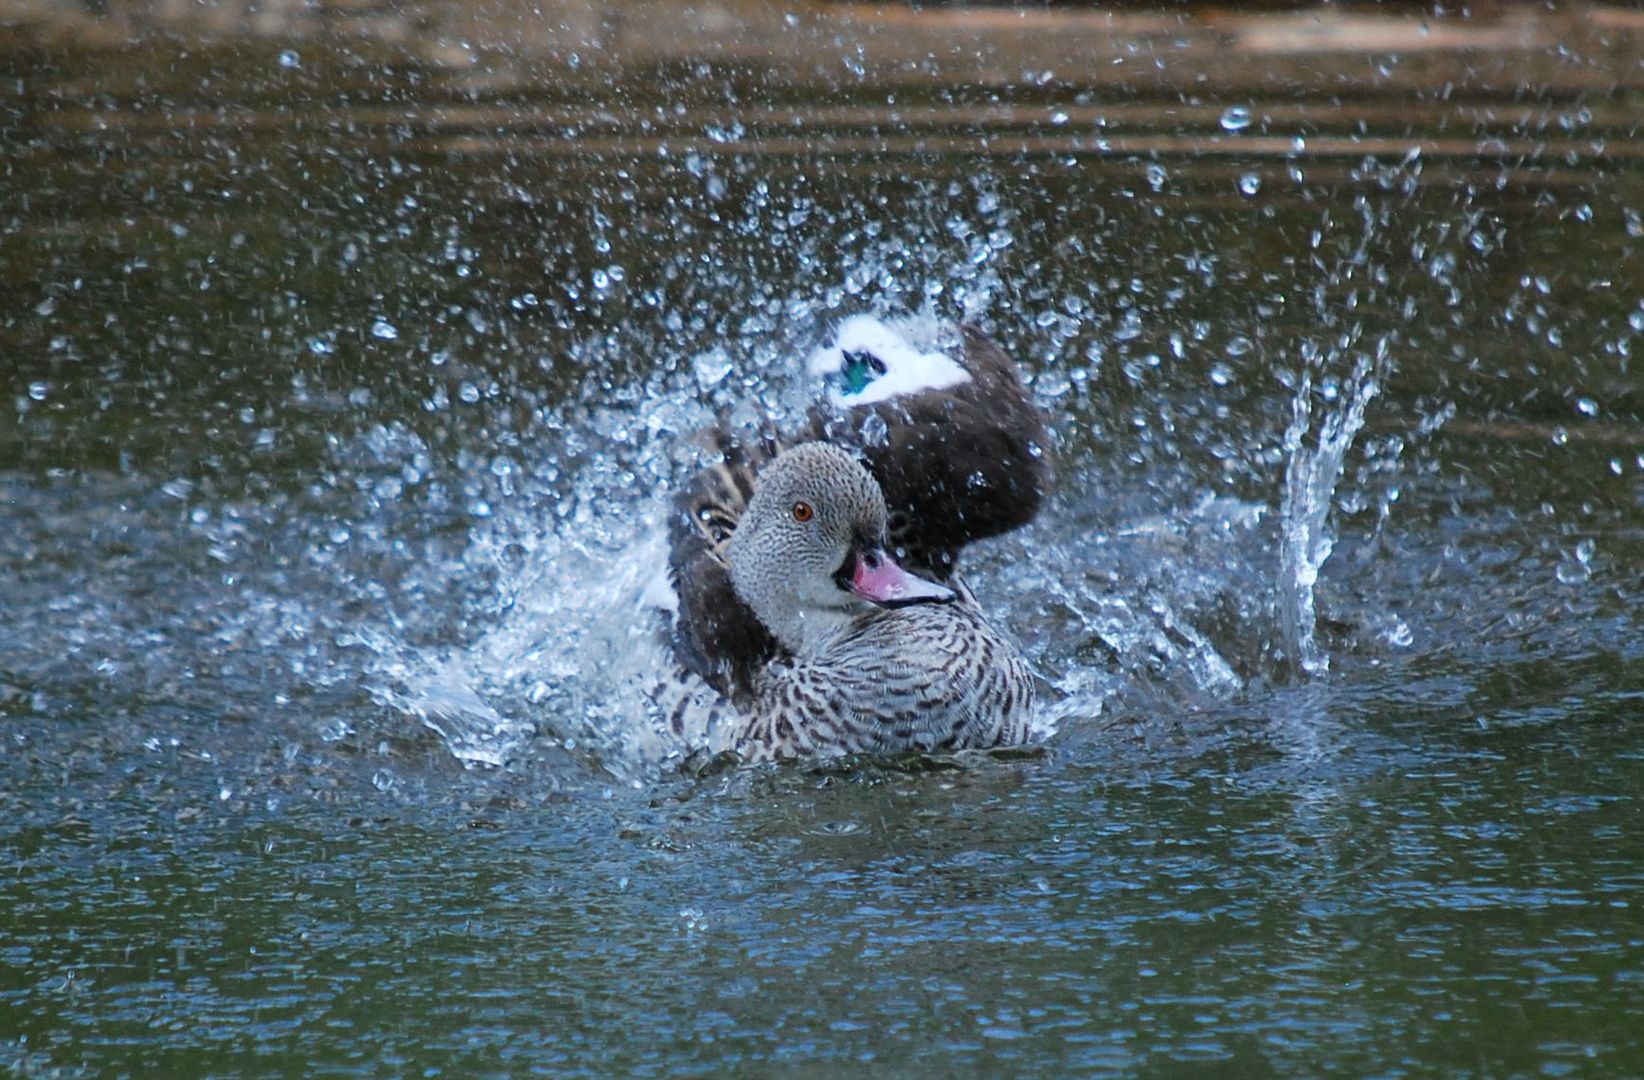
{"x": 939, "y": 420}
{"x": 874, "y": 659}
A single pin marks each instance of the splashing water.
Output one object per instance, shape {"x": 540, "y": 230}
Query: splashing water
{"x": 1311, "y": 473}
{"x": 568, "y": 649}
{"x": 485, "y": 548}
{"x": 446, "y": 702}
{"x": 567, "y": 645}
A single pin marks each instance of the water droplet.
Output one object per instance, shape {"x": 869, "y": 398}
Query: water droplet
{"x": 290, "y": 59}
{"x": 1221, "y": 374}
{"x": 384, "y": 330}
{"x": 1572, "y": 572}
{"x": 875, "y": 432}
{"x": 1636, "y": 321}
{"x": 1156, "y": 176}
{"x": 37, "y": 391}
{"x": 383, "y": 780}
{"x": 1587, "y": 406}
{"x": 1130, "y": 327}
{"x": 711, "y": 369}
{"x": 1235, "y": 118}
{"x": 1058, "y": 118}
{"x": 1239, "y": 345}
{"x": 46, "y": 306}
{"x": 1584, "y": 551}
{"x": 468, "y": 392}
{"x": 1250, "y": 183}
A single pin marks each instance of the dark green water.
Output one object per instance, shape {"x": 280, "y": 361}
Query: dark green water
{"x": 319, "y": 418}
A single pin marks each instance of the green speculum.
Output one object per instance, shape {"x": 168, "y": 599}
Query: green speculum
{"x": 860, "y": 369}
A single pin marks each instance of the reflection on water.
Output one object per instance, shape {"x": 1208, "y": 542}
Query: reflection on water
{"x": 340, "y": 400}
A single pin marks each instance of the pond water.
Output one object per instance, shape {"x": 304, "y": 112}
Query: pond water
{"x": 338, "y": 404}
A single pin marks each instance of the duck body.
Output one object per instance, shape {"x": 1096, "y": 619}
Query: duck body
{"x": 932, "y": 678}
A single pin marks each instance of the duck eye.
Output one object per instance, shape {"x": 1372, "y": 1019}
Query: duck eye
{"x": 802, "y": 511}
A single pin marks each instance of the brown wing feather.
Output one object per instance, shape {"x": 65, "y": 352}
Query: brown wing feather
{"x": 715, "y": 635}
{"x": 956, "y": 465}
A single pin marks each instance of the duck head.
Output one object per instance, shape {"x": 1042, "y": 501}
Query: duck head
{"x": 808, "y": 555}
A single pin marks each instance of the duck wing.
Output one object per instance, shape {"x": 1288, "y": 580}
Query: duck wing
{"x": 714, "y": 634}
{"x": 958, "y": 463}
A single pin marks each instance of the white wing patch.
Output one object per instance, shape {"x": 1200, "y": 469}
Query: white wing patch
{"x": 908, "y": 369}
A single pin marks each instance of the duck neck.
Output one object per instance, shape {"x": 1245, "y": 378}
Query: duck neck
{"x": 807, "y": 632}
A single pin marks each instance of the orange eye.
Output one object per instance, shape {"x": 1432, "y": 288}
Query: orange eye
{"x": 802, "y": 511}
